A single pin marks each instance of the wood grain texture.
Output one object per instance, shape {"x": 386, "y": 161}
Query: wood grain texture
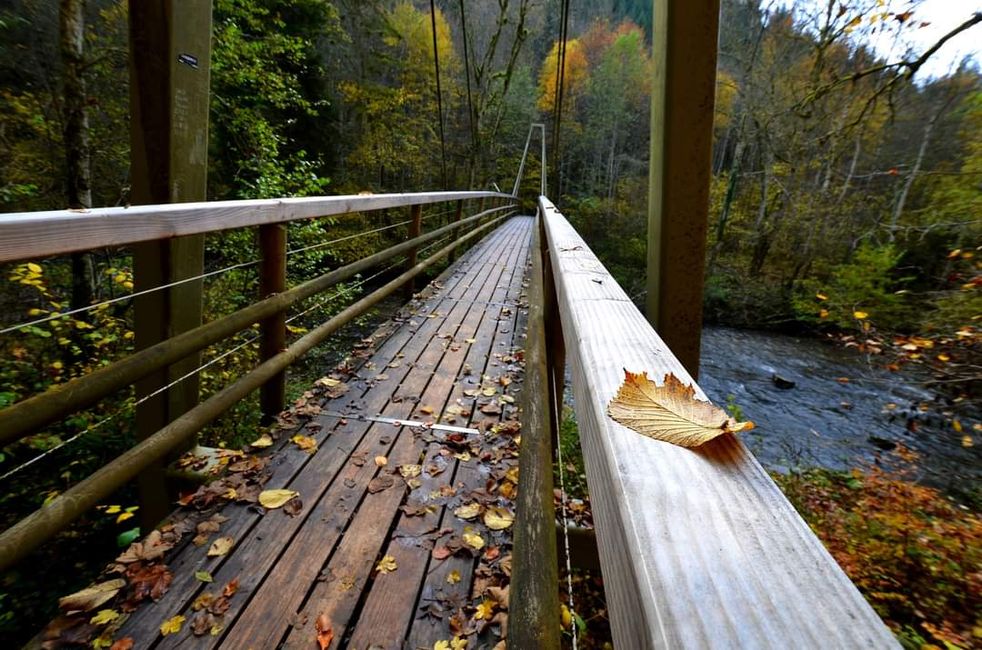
{"x": 699, "y": 548}
{"x": 29, "y": 235}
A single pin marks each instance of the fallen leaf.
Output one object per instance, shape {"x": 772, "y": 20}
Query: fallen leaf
{"x": 172, "y": 625}
{"x": 410, "y": 471}
{"x": 468, "y": 510}
{"x": 307, "y": 443}
{"x": 272, "y": 499}
{"x": 201, "y": 623}
{"x": 327, "y": 381}
{"x": 497, "y": 518}
{"x": 473, "y": 540}
{"x": 126, "y": 643}
{"x": 485, "y": 610}
{"x": 293, "y": 507}
{"x": 386, "y": 565}
{"x": 441, "y": 645}
{"x": 325, "y": 633}
{"x": 859, "y": 315}
{"x": 453, "y": 577}
{"x": 458, "y": 643}
{"x": 91, "y": 597}
{"x": 381, "y": 461}
{"x": 441, "y": 552}
{"x": 203, "y": 576}
{"x": 220, "y": 546}
{"x": 426, "y": 410}
{"x": 104, "y": 616}
{"x": 669, "y": 412}
{"x": 262, "y": 441}
{"x": 379, "y": 483}
{"x": 231, "y": 588}
{"x": 203, "y": 601}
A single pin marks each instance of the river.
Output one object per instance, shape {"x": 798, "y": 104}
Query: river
{"x": 827, "y": 421}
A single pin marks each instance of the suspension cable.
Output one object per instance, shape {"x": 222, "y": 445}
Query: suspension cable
{"x": 439, "y": 95}
{"x": 560, "y": 91}
{"x": 467, "y": 74}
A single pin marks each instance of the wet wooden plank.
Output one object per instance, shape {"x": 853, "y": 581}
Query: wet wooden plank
{"x": 324, "y": 479}
{"x": 385, "y": 619}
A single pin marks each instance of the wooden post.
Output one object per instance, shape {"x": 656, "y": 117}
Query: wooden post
{"x": 169, "y": 69}
{"x": 456, "y": 233}
{"x": 555, "y": 347}
{"x": 415, "y": 228}
{"x": 682, "y": 100}
{"x": 272, "y": 280}
{"x": 534, "y": 597}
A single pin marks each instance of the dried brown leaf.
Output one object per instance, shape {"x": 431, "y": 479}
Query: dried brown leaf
{"x": 670, "y": 412}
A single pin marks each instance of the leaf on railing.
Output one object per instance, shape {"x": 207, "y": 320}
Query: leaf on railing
{"x": 669, "y": 412}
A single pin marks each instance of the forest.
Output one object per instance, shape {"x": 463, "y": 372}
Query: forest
{"x": 846, "y": 203}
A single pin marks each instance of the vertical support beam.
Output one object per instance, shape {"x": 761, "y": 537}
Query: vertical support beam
{"x": 169, "y": 78}
{"x": 534, "y": 597}
{"x": 272, "y": 279}
{"x": 415, "y": 228}
{"x": 682, "y": 99}
{"x": 458, "y": 215}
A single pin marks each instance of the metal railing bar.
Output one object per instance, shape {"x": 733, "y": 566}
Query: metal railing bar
{"x": 34, "y": 412}
{"x": 20, "y": 539}
{"x": 29, "y": 235}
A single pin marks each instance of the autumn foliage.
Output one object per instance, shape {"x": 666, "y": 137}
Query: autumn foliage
{"x": 913, "y": 553}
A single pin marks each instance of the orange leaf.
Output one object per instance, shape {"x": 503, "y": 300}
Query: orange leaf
{"x": 670, "y": 412}
{"x": 325, "y": 633}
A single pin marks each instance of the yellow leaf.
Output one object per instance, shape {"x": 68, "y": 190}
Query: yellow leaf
{"x": 307, "y": 443}
{"x": 104, "y": 616}
{"x": 262, "y": 441}
{"x": 566, "y": 618}
{"x": 497, "y": 518}
{"x": 468, "y": 510}
{"x": 123, "y": 517}
{"x": 272, "y": 499}
{"x": 821, "y": 296}
{"x": 453, "y": 577}
{"x": 112, "y": 510}
{"x": 956, "y": 425}
{"x": 329, "y": 382}
{"x": 458, "y": 643}
{"x": 172, "y": 625}
{"x": 441, "y": 645}
{"x": 473, "y": 540}
{"x": 859, "y": 315}
{"x": 33, "y": 268}
{"x": 426, "y": 410}
{"x": 386, "y": 565}
{"x": 823, "y": 313}
{"x": 485, "y": 610}
{"x": 669, "y": 412}
{"x": 967, "y": 441}
{"x": 381, "y": 461}
{"x": 220, "y": 546}
{"x": 409, "y": 471}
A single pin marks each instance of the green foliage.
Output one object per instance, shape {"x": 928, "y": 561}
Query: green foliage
{"x": 910, "y": 550}
{"x": 866, "y": 284}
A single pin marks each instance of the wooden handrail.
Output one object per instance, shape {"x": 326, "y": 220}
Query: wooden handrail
{"x": 29, "y": 415}
{"x": 28, "y": 235}
{"x": 699, "y": 547}
{"x": 24, "y": 536}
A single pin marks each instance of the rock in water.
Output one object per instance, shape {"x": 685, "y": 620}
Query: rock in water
{"x": 781, "y": 382}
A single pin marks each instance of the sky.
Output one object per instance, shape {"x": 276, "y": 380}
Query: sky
{"x": 942, "y": 16}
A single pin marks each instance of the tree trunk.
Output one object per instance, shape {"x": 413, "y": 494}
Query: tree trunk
{"x": 925, "y": 141}
{"x": 75, "y": 135}
{"x": 852, "y": 167}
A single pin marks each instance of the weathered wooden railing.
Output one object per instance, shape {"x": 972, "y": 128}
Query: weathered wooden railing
{"x": 699, "y": 548}
{"x": 43, "y": 234}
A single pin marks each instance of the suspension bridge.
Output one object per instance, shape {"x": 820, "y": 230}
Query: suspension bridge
{"x": 408, "y": 497}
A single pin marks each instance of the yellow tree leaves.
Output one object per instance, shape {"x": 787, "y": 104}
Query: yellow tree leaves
{"x": 575, "y": 74}
{"x": 669, "y": 412}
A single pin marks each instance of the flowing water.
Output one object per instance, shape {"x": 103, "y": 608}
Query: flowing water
{"x": 829, "y": 422}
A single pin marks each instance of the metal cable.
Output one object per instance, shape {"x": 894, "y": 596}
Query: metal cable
{"x": 439, "y": 95}
{"x": 562, "y": 488}
{"x": 346, "y": 238}
{"x": 65, "y": 314}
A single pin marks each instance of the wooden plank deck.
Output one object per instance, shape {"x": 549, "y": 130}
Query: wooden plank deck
{"x": 298, "y": 572}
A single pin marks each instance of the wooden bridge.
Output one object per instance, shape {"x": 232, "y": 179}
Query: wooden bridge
{"x": 407, "y": 500}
